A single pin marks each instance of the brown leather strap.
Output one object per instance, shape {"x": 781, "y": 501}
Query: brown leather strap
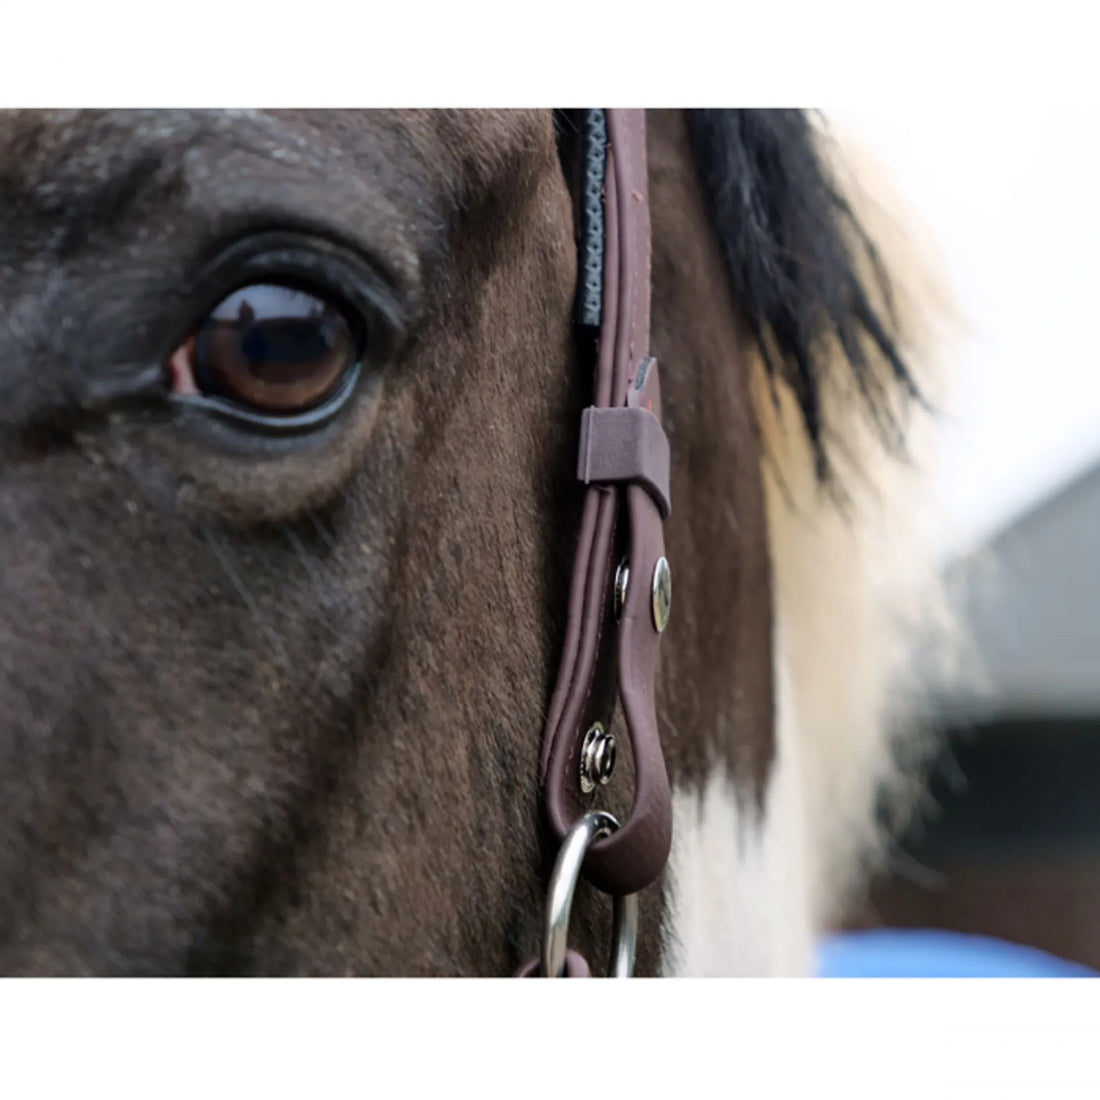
{"x": 576, "y": 966}
{"x": 625, "y": 461}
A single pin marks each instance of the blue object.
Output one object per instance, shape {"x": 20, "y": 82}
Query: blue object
{"x": 925, "y": 953}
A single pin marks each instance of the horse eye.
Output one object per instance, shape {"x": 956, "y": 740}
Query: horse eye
{"x": 274, "y": 349}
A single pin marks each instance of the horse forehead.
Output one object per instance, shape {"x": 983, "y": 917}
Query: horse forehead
{"x": 38, "y": 144}
{"x": 75, "y": 149}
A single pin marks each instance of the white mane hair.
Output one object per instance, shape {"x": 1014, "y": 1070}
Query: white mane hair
{"x": 860, "y": 612}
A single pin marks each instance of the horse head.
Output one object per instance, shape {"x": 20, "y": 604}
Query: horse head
{"x": 288, "y": 505}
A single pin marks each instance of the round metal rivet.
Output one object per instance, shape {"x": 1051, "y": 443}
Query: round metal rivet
{"x": 662, "y": 593}
{"x": 598, "y": 754}
{"x": 622, "y": 579}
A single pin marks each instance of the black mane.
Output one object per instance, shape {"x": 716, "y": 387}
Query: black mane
{"x": 797, "y": 258}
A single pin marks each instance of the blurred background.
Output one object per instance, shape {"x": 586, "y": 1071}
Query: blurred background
{"x": 1010, "y": 846}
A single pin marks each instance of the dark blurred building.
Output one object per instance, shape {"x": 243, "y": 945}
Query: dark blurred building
{"x": 1011, "y": 845}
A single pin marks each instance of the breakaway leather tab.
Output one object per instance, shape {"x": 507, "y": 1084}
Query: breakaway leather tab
{"x": 625, "y": 445}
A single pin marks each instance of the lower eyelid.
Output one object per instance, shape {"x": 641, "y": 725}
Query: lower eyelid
{"x": 279, "y": 424}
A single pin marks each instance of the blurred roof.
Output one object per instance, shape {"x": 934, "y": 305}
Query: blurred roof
{"x": 1031, "y": 598}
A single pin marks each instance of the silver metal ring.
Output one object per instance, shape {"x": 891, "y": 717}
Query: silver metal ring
{"x": 559, "y": 901}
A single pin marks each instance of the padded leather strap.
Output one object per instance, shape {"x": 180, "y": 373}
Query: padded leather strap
{"x": 624, "y": 461}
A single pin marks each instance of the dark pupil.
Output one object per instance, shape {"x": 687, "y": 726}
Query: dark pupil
{"x": 274, "y": 347}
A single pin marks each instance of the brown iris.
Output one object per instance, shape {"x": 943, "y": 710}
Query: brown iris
{"x": 272, "y": 348}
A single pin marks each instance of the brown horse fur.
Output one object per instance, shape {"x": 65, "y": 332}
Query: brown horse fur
{"x": 272, "y": 706}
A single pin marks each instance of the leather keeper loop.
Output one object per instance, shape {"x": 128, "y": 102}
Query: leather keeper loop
{"x": 625, "y": 445}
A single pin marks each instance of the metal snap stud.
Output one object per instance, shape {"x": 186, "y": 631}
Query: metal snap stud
{"x": 598, "y": 754}
{"x": 662, "y": 593}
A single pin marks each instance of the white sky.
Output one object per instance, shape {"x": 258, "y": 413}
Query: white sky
{"x": 1011, "y": 197}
